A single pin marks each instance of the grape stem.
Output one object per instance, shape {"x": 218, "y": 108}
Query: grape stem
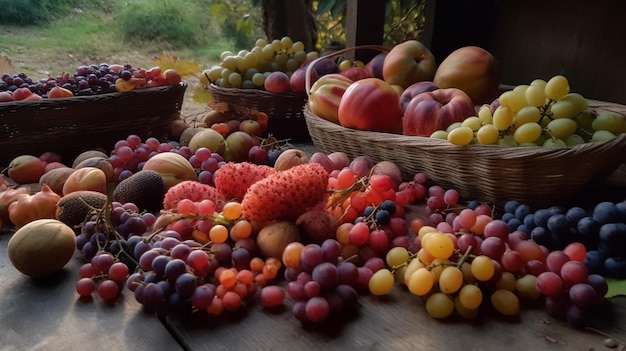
{"x": 464, "y": 257}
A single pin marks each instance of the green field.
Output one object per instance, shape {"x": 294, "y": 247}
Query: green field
{"x": 90, "y": 35}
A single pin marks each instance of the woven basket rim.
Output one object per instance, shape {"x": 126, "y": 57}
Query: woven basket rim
{"x": 254, "y": 92}
{"x": 86, "y": 98}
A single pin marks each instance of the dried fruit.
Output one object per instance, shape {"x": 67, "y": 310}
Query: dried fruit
{"x": 287, "y": 194}
{"x": 233, "y": 179}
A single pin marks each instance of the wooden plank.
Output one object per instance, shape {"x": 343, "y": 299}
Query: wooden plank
{"x": 48, "y": 315}
{"x": 365, "y": 20}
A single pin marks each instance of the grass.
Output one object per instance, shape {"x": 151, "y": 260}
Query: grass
{"x": 85, "y": 38}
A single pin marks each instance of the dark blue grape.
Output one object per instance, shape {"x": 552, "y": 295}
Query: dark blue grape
{"x": 514, "y": 223}
{"x": 559, "y": 224}
{"x": 606, "y": 212}
{"x": 541, "y": 236}
{"x": 614, "y": 234}
{"x": 186, "y": 283}
{"x": 541, "y": 216}
{"x": 382, "y": 217}
{"x": 507, "y": 216}
{"x": 241, "y": 258}
{"x": 473, "y": 204}
{"x": 521, "y": 211}
{"x": 594, "y": 261}
{"x": 529, "y": 221}
{"x": 159, "y": 263}
{"x": 272, "y": 155}
{"x": 174, "y": 268}
{"x": 615, "y": 267}
{"x": 510, "y": 206}
{"x": 556, "y": 210}
{"x": 388, "y": 206}
{"x": 368, "y": 211}
{"x": 575, "y": 214}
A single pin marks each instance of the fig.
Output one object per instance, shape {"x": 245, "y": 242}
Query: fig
{"x": 290, "y": 158}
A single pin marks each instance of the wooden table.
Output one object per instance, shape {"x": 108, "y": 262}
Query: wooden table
{"x": 48, "y": 315}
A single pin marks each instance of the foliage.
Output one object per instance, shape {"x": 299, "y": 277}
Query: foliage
{"x": 34, "y": 11}
{"x": 173, "y": 22}
{"x": 243, "y": 28}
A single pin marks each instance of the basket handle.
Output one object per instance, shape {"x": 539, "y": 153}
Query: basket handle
{"x": 309, "y": 68}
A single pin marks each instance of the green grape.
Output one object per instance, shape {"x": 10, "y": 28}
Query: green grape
{"x": 242, "y": 65}
{"x": 521, "y": 89}
{"x": 507, "y": 281}
{"x": 450, "y": 280}
{"x": 527, "y": 114}
{"x": 413, "y": 266}
{"x": 251, "y": 60}
{"x": 226, "y": 73}
{"x": 574, "y": 139}
{"x": 397, "y": 256}
{"x": 230, "y": 63}
{"x": 286, "y": 43}
{"x": 470, "y": 296}
{"x": 268, "y": 52}
{"x": 527, "y": 133}
{"x": 610, "y": 121}
{"x": 345, "y": 64}
{"x": 300, "y": 56}
{"x": 503, "y": 117}
{"x": 507, "y": 140}
{"x": 292, "y": 64}
{"x": 420, "y": 282}
{"x": 437, "y": 267}
{"x": 482, "y": 268}
{"x": 276, "y": 45}
{"x": 561, "y": 128}
{"x": 312, "y": 55}
{"x": 551, "y": 142}
{"x": 461, "y": 136}
{"x": 538, "y": 82}
{"x": 247, "y": 84}
{"x": 225, "y": 54}
{"x": 297, "y": 46}
{"x": 505, "y": 302}
{"x": 453, "y": 126}
{"x": 484, "y": 114}
{"x": 514, "y": 100}
{"x": 381, "y": 282}
{"x": 281, "y": 58}
{"x": 468, "y": 277}
{"x": 585, "y": 120}
{"x": 557, "y": 87}
{"x": 242, "y": 53}
{"x": 235, "y": 79}
{"x": 439, "y": 305}
{"x": 602, "y": 135}
{"x": 439, "y": 245}
{"x": 527, "y": 287}
{"x": 472, "y": 122}
{"x": 258, "y": 79}
{"x": 563, "y": 109}
{"x": 440, "y": 134}
{"x": 260, "y": 43}
{"x": 542, "y": 139}
{"x": 249, "y": 73}
{"x": 580, "y": 103}
{"x": 215, "y": 73}
{"x": 487, "y": 134}
{"x": 535, "y": 95}
{"x": 464, "y": 311}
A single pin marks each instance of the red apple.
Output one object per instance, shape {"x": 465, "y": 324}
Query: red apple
{"x": 371, "y": 104}
{"x": 356, "y": 73}
{"x": 436, "y": 110}
{"x": 238, "y": 145}
{"x": 277, "y": 82}
{"x": 375, "y": 65}
{"x": 407, "y": 63}
{"x": 415, "y": 89}
{"x": 298, "y": 78}
{"x": 471, "y": 69}
{"x": 172, "y": 76}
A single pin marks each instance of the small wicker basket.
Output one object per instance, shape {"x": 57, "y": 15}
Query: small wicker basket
{"x": 537, "y": 176}
{"x": 69, "y": 126}
{"x": 284, "y": 110}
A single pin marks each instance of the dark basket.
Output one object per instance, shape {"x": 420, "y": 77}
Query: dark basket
{"x": 69, "y": 126}
{"x": 284, "y": 110}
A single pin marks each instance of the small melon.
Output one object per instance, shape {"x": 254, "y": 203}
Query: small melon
{"x": 145, "y": 189}
{"x": 56, "y": 178}
{"x": 42, "y": 247}
{"x": 88, "y": 154}
{"x": 74, "y": 207}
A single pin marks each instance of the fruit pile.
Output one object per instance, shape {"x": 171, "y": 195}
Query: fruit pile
{"x": 319, "y": 231}
{"x": 87, "y": 80}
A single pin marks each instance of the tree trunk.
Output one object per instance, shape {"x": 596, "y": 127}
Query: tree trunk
{"x": 292, "y": 18}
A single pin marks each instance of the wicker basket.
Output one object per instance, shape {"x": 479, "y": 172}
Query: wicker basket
{"x": 284, "y": 110}
{"x": 69, "y": 126}
{"x": 536, "y": 176}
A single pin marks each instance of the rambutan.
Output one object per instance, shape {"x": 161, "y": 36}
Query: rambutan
{"x": 285, "y": 195}
{"x": 194, "y": 191}
{"x": 233, "y": 179}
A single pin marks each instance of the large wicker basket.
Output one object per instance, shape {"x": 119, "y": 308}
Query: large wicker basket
{"x": 537, "y": 176}
{"x": 69, "y": 126}
{"x": 284, "y": 110}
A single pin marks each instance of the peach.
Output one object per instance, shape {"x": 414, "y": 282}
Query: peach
{"x": 277, "y": 82}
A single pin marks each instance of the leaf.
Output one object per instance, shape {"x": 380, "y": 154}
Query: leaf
{"x": 201, "y": 95}
{"x": 324, "y": 6}
{"x": 616, "y": 287}
{"x": 338, "y": 9}
{"x": 184, "y": 68}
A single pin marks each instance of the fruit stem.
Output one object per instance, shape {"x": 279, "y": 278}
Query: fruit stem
{"x": 464, "y": 257}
